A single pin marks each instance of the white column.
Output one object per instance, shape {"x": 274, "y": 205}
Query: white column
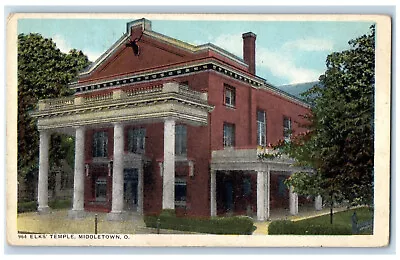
{"x": 293, "y": 202}
{"x": 117, "y": 202}
{"x": 168, "y": 199}
{"x": 318, "y": 202}
{"x": 260, "y": 196}
{"x": 43, "y": 181}
{"x": 140, "y": 190}
{"x": 79, "y": 174}
{"x": 213, "y": 193}
{"x": 267, "y": 189}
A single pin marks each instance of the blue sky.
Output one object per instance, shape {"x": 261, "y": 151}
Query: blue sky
{"x": 287, "y": 52}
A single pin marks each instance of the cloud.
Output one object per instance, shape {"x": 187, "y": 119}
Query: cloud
{"x": 61, "y": 43}
{"x": 280, "y": 62}
{"x": 230, "y": 42}
{"x": 92, "y": 55}
{"x": 65, "y": 47}
{"x": 309, "y": 44}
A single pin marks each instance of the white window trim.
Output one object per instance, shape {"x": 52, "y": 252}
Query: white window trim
{"x": 261, "y": 130}
{"x": 232, "y": 137}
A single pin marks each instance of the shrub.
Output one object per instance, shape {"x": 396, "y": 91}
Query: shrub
{"x": 28, "y": 206}
{"x": 60, "y": 204}
{"x": 239, "y": 225}
{"x": 286, "y": 227}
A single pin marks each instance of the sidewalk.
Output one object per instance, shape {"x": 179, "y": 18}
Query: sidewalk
{"x": 57, "y": 221}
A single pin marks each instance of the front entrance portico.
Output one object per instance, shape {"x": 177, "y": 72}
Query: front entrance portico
{"x": 168, "y": 103}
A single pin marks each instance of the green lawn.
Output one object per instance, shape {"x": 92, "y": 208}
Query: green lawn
{"x": 342, "y": 224}
{"x": 342, "y": 218}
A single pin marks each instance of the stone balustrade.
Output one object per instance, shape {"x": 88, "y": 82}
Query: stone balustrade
{"x": 118, "y": 94}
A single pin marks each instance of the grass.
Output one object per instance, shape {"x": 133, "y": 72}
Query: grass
{"x": 342, "y": 224}
{"x": 342, "y": 218}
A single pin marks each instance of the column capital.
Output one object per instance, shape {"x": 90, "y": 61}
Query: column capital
{"x": 44, "y": 131}
{"x": 79, "y": 127}
{"x": 170, "y": 119}
{"x": 117, "y": 124}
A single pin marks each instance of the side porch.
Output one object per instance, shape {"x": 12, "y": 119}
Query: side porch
{"x": 241, "y": 183}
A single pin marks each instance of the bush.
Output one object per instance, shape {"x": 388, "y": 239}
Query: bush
{"x": 237, "y": 225}
{"x": 286, "y": 227}
{"x": 60, "y": 204}
{"x": 28, "y": 206}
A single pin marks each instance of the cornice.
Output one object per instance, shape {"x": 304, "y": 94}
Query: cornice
{"x": 180, "y": 70}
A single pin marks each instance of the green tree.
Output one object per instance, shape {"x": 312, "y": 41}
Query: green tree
{"x": 43, "y": 72}
{"x": 339, "y": 143}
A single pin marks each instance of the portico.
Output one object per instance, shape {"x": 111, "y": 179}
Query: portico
{"x": 240, "y": 161}
{"x": 170, "y": 103}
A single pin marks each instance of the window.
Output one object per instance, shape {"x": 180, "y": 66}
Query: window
{"x": 230, "y": 99}
{"x": 282, "y": 188}
{"x": 180, "y": 191}
{"x": 261, "y": 128}
{"x": 246, "y": 187}
{"x": 136, "y": 140}
{"x": 180, "y": 139}
{"x": 101, "y": 189}
{"x": 229, "y": 135}
{"x": 287, "y": 128}
{"x": 100, "y": 143}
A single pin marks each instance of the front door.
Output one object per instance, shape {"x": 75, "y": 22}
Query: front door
{"x": 130, "y": 189}
{"x": 228, "y": 196}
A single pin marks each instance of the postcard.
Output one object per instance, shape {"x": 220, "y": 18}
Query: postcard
{"x": 198, "y": 130}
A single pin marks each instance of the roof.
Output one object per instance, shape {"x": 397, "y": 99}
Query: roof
{"x": 147, "y": 30}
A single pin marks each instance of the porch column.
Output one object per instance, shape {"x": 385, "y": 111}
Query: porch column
{"x": 260, "y": 196}
{"x": 267, "y": 191}
{"x": 168, "y": 199}
{"x": 293, "y": 202}
{"x": 117, "y": 202}
{"x": 213, "y": 192}
{"x": 318, "y": 202}
{"x": 79, "y": 174}
{"x": 140, "y": 190}
{"x": 43, "y": 181}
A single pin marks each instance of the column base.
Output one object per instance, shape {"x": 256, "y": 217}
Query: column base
{"x": 75, "y": 214}
{"x": 118, "y": 216}
{"x": 43, "y": 210}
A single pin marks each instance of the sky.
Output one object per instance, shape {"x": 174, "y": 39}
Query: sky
{"x": 287, "y": 52}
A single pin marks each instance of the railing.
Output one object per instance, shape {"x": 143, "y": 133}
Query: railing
{"x": 97, "y": 98}
{"x": 119, "y": 94}
{"x": 184, "y": 89}
{"x": 143, "y": 90}
{"x": 59, "y": 102}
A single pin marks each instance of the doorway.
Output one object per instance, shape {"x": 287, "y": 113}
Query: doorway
{"x": 131, "y": 189}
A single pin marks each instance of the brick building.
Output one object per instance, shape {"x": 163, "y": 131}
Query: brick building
{"x": 162, "y": 124}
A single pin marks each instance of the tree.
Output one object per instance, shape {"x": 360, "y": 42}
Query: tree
{"x": 339, "y": 142}
{"x": 43, "y": 72}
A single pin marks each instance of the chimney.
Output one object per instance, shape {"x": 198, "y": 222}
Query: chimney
{"x": 249, "y": 51}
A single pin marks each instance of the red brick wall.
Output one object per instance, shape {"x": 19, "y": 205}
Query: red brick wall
{"x": 201, "y": 140}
